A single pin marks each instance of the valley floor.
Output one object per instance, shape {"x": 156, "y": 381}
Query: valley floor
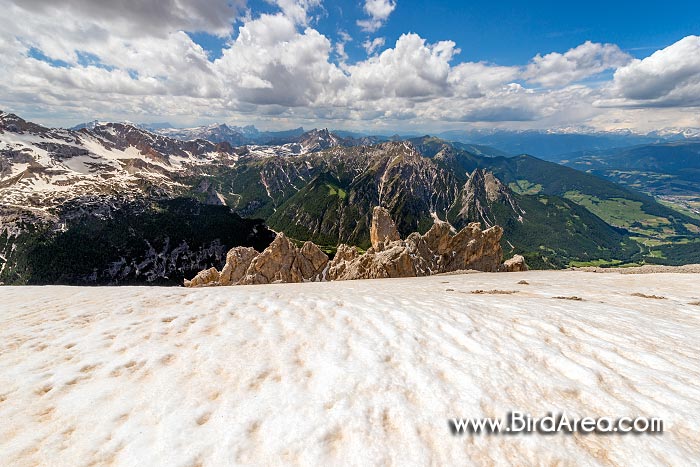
{"x": 357, "y": 372}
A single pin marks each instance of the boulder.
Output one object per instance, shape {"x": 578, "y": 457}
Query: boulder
{"x": 515, "y": 264}
{"x": 203, "y": 278}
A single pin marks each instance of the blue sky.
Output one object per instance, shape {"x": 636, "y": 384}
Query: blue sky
{"x": 355, "y": 64}
{"x": 508, "y": 32}
{"x": 511, "y": 32}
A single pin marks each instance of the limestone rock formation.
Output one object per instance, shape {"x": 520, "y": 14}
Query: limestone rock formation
{"x": 207, "y": 277}
{"x": 284, "y": 262}
{"x": 439, "y": 250}
{"x": 515, "y": 264}
{"x": 237, "y": 262}
{"x": 383, "y": 229}
{"x": 344, "y": 255}
{"x": 480, "y": 194}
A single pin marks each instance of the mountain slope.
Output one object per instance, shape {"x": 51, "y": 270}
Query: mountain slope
{"x": 549, "y": 231}
{"x": 319, "y": 187}
{"x": 327, "y": 197}
{"x": 641, "y": 214}
{"x": 42, "y": 167}
{"x": 669, "y": 171}
{"x": 234, "y": 135}
{"x": 345, "y": 184}
{"x": 138, "y": 242}
{"x": 96, "y": 206}
{"x": 619, "y": 206}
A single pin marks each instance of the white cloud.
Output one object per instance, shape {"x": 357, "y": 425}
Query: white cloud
{"x": 271, "y": 63}
{"x": 297, "y": 10}
{"x": 373, "y": 45}
{"x": 140, "y": 18}
{"x": 279, "y": 68}
{"x": 588, "y": 59}
{"x": 412, "y": 69}
{"x": 474, "y": 80}
{"x": 668, "y": 78}
{"x": 340, "y": 46}
{"x": 378, "y": 12}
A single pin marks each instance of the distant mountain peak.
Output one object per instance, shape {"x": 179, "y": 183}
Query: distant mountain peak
{"x": 318, "y": 140}
{"x": 15, "y": 124}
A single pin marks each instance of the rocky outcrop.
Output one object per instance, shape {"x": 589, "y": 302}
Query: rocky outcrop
{"x": 439, "y": 250}
{"x": 207, "y": 277}
{"x": 237, "y": 263}
{"x": 515, "y": 264}
{"x": 284, "y": 262}
{"x": 383, "y": 229}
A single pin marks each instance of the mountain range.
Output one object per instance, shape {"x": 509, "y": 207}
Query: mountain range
{"x": 130, "y": 200}
{"x": 551, "y": 144}
{"x": 546, "y": 144}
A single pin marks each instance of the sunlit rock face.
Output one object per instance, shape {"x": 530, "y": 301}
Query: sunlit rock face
{"x": 437, "y": 251}
{"x": 383, "y": 229}
{"x": 514, "y": 264}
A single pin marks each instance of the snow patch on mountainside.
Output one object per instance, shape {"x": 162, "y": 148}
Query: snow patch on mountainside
{"x": 354, "y": 373}
{"x": 42, "y": 167}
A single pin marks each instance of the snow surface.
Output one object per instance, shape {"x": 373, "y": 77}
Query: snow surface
{"x": 356, "y": 373}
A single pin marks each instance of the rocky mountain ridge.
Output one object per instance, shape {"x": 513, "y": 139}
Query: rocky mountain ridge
{"x": 43, "y": 167}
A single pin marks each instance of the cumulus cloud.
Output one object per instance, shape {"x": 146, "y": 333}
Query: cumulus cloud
{"x": 476, "y": 80}
{"x": 588, "y": 59}
{"x": 168, "y": 55}
{"x": 271, "y": 63}
{"x": 340, "y": 46}
{"x": 140, "y": 18}
{"x": 378, "y": 12}
{"x": 412, "y": 69}
{"x": 373, "y": 45}
{"x": 669, "y": 77}
{"x": 297, "y": 10}
{"x": 277, "y": 67}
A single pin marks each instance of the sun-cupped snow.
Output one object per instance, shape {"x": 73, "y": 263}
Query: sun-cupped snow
{"x": 351, "y": 373}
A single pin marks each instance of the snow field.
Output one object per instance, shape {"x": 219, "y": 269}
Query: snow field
{"x": 348, "y": 373}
